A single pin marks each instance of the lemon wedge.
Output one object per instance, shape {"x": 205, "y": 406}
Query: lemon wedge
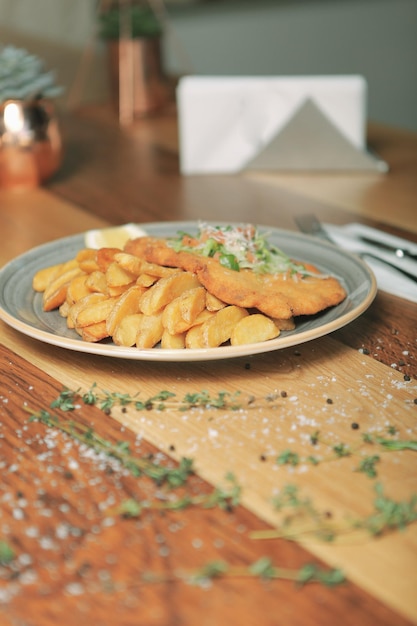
{"x": 112, "y": 237}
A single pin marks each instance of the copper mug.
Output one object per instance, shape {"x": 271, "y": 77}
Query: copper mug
{"x": 30, "y": 143}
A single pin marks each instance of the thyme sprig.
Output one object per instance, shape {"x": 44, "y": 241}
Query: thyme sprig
{"x": 138, "y": 466}
{"x": 224, "y": 498}
{"x": 367, "y": 465}
{"x": 68, "y": 400}
{"x": 303, "y": 520}
{"x": 263, "y": 568}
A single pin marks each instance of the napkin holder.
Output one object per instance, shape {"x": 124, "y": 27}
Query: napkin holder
{"x": 239, "y": 124}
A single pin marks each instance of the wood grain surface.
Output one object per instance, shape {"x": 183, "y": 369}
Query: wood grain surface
{"x": 328, "y": 387}
{"x": 77, "y": 564}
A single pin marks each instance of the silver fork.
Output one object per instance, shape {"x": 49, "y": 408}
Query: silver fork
{"x": 310, "y": 225}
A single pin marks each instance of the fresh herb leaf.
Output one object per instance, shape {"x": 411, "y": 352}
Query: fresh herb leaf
{"x": 7, "y": 553}
{"x": 367, "y": 465}
{"x": 287, "y": 457}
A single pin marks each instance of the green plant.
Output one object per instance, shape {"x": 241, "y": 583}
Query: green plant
{"x": 22, "y": 76}
{"x": 140, "y": 19}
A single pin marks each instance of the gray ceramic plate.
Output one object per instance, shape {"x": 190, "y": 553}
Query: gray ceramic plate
{"x": 21, "y": 307}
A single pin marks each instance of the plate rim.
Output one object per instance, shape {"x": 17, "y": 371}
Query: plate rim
{"x": 185, "y": 355}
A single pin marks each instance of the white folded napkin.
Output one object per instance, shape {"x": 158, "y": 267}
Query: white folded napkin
{"x": 388, "y": 279}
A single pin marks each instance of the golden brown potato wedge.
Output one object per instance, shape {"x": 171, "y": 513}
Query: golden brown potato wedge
{"x": 96, "y": 282}
{"x": 253, "y": 328}
{"x": 288, "y": 324}
{"x": 47, "y": 275}
{"x": 95, "y": 312}
{"x": 116, "y": 276}
{"x": 126, "y": 304}
{"x": 87, "y": 260}
{"x": 77, "y": 307}
{"x": 213, "y": 303}
{"x": 125, "y": 333}
{"x": 179, "y": 314}
{"x": 150, "y": 331}
{"x": 166, "y": 290}
{"x": 194, "y": 338}
{"x": 218, "y": 329}
{"x": 105, "y": 256}
{"x": 94, "y": 332}
{"x": 77, "y": 289}
{"x": 56, "y": 292}
{"x": 172, "y": 342}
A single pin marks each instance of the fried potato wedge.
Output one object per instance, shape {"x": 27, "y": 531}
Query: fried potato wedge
{"x": 213, "y": 303}
{"x": 194, "y": 338}
{"x": 77, "y": 307}
{"x": 94, "y": 332}
{"x": 146, "y": 280}
{"x": 95, "y": 312}
{"x": 125, "y": 333}
{"x": 150, "y": 331}
{"x": 284, "y": 324}
{"x": 126, "y": 304}
{"x": 105, "y": 256}
{"x": 116, "y": 276}
{"x": 77, "y": 289}
{"x": 253, "y": 328}
{"x": 64, "y": 309}
{"x": 56, "y": 292}
{"x": 218, "y": 329}
{"x": 166, "y": 290}
{"x": 180, "y": 313}
{"x": 47, "y": 275}
{"x": 87, "y": 260}
{"x": 96, "y": 282}
{"x": 172, "y": 342}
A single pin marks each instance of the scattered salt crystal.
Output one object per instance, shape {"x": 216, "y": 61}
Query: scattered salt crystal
{"x": 164, "y": 551}
{"x": 32, "y": 531}
{"x": 24, "y": 559}
{"x": 46, "y": 543}
{"x": 104, "y": 575}
{"x": 18, "y": 514}
{"x": 74, "y": 589}
{"x": 28, "y": 578}
{"x": 61, "y": 531}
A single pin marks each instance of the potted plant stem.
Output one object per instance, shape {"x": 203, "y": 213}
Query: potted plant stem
{"x": 133, "y": 33}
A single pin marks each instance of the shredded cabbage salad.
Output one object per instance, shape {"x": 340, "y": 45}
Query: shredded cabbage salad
{"x": 238, "y": 247}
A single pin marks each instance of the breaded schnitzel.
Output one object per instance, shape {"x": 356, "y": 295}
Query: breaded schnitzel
{"x": 281, "y": 294}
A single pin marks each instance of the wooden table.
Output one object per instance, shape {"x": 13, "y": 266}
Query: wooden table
{"x": 76, "y": 558}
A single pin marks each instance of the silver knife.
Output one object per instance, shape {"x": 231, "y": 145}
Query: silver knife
{"x": 401, "y": 253}
{"x": 310, "y": 225}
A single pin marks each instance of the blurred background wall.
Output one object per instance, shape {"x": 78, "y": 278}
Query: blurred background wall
{"x": 375, "y": 38}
